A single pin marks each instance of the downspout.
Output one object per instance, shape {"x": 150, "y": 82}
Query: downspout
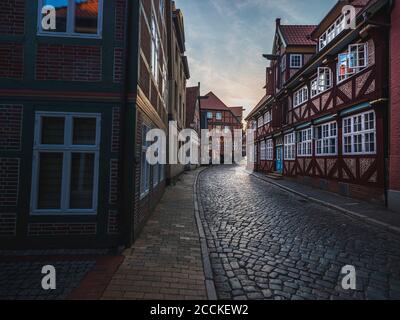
{"x": 124, "y": 212}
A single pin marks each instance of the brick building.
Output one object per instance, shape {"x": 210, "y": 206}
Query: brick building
{"x": 215, "y": 114}
{"x": 325, "y": 123}
{"x": 394, "y": 160}
{"x": 75, "y": 105}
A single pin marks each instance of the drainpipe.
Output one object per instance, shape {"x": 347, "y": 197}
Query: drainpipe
{"x": 124, "y": 211}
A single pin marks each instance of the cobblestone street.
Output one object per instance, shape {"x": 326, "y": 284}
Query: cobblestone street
{"x": 266, "y": 243}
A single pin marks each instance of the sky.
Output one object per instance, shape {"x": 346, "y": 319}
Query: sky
{"x": 225, "y": 40}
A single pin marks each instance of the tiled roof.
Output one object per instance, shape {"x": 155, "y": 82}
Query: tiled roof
{"x": 237, "y": 111}
{"x": 297, "y": 35}
{"x": 86, "y": 9}
{"x": 213, "y": 103}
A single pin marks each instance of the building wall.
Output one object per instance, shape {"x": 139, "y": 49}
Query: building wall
{"x": 361, "y": 175}
{"x": 57, "y": 74}
{"x": 152, "y": 107}
{"x": 394, "y": 171}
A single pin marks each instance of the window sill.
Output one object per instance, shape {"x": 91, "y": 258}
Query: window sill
{"x": 63, "y": 213}
{"x": 67, "y": 35}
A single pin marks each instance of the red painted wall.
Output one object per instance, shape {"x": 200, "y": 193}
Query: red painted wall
{"x": 395, "y": 99}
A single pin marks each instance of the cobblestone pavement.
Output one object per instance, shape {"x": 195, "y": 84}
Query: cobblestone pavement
{"x": 22, "y": 280}
{"x": 165, "y": 262}
{"x": 266, "y": 243}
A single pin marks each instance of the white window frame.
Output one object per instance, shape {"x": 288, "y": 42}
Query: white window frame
{"x": 332, "y": 32}
{"x": 218, "y": 116}
{"x": 269, "y": 150}
{"x": 267, "y": 117}
{"x": 210, "y": 115}
{"x": 66, "y": 149}
{"x": 260, "y": 122}
{"x": 290, "y": 146}
{"x": 329, "y": 131}
{"x": 300, "y": 96}
{"x": 155, "y": 47}
{"x": 364, "y": 130}
{"x": 295, "y": 55}
{"x": 263, "y": 150}
{"x": 323, "y": 82}
{"x": 70, "y": 23}
{"x": 304, "y": 144}
{"x": 345, "y": 60}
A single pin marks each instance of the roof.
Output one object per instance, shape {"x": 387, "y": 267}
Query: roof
{"x": 238, "y": 111}
{"x": 213, "y": 103}
{"x": 88, "y": 9}
{"x": 192, "y": 93}
{"x": 297, "y": 35}
{"x": 259, "y": 105}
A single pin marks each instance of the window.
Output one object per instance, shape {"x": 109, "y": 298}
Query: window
{"x": 326, "y": 139}
{"x": 144, "y": 164}
{"x": 323, "y": 81}
{"x": 155, "y": 47}
{"x": 283, "y": 63}
{"x": 164, "y": 92}
{"x": 260, "y": 122}
{"x": 290, "y": 147}
{"x": 156, "y": 174}
{"x": 300, "y": 96}
{"x": 267, "y": 117}
{"x": 296, "y": 61}
{"x": 359, "y": 134}
{"x": 218, "y": 116}
{"x": 209, "y": 115}
{"x": 354, "y": 60}
{"x": 74, "y": 18}
{"x": 304, "y": 146}
{"x": 333, "y": 31}
{"x": 263, "y": 151}
{"x": 65, "y": 163}
{"x": 270, "y": 150}
{"x": 161, "y": 2}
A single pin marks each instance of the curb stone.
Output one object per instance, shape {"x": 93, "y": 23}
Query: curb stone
{"x": 330, "y": 205}
{"x": 208, "y": 273}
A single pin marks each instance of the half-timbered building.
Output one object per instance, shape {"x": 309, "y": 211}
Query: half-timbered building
{"x": 326, "y": 123}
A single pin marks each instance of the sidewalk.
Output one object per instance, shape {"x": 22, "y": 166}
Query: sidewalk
{"x": 359, "y": 209}
{"x": 166, "y": 261}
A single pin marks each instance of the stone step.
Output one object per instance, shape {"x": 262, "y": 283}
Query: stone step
{"x": 274, "y": 176}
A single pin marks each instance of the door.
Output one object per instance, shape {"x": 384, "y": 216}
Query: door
{"x": 279, "y": 159}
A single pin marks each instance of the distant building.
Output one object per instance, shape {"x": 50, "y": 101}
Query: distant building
{"x": 215, "y": 114}
{"x": 178, "y": 71}
{"x": 193, "y": 110}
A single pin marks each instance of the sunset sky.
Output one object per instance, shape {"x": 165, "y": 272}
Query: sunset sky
{"x": 226, "y": 38}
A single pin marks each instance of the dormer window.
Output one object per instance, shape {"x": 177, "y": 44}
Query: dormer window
{"x": 354, "y": 60}
{"x": 333, "y": 31}
{"x": 296, "y": 61}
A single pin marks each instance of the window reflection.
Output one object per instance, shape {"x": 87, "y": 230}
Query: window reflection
{"x": 86, "y": 16}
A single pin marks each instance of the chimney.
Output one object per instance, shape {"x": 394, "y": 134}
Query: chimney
{"x": 278, "y": 22}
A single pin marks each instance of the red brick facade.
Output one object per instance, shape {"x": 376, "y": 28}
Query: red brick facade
{"x": 12, "y": 17}
{"x": 68, "y": 62}
{"x": 9, "y": 180}
{"x": 11, "y": 61}
{"x": 61, "y": 229}
{"x": 10, "y": 127}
